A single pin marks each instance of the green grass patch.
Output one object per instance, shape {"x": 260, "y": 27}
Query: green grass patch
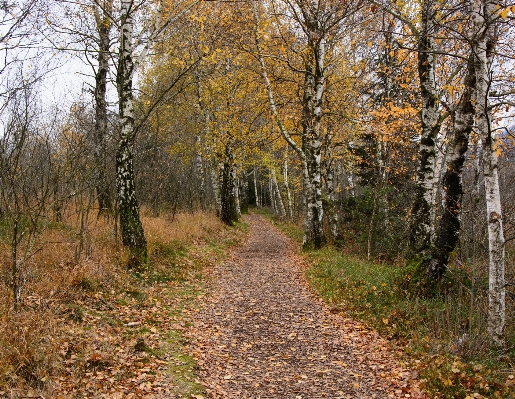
{"x": 443, "y": 337}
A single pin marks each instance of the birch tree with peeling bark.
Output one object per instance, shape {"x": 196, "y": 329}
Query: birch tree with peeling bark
{"x": 161, "y": 16}
{"x": 484, "y": 14}
{"x": 450, "y": 223}
{"x": 422, "y": 227}
{"x": 133, "y": 235}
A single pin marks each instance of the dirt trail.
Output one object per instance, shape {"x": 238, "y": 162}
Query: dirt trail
{"x": 263, "y": 334}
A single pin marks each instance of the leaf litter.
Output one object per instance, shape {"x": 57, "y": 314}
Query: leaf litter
{"x": 264, "y": 334}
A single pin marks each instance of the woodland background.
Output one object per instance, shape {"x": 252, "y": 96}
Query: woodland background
{"x": 382, "y": 129}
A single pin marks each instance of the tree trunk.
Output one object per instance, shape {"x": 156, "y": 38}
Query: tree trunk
{"x": 281, "y": 211}
{"x": 286, "y": 185}
{"x": 312, "y": 146}
{"x": 236, "y": 189}
{"x": 271, "y": 192}
{"x": 199, "y": 168}
{"x": 229, "y": 214}
{"x": 309, "y": 153}
{"x": 332, "y": 214}
{"x": 131, "y": 228}
{"x": 308, "y": 211}
{"x": 483, "y": 44}
{"x": 244, "y": 195}
{"x": 215, "y": 182}
{"x": 256, "y": 193}
{"x": 421, "y": 228}
{"x": 103, "y": 26}
{"x": 450, "y": 223}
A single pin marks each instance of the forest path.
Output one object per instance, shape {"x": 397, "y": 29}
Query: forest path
{"x": 264, "y": 334}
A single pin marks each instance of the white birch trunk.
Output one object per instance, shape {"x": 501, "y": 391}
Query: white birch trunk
{"x": 199, "y": 167}
{"x": 281, "y": 211}
{"x": 256, "y": 193}
{"x": 215, "y": 182}
{"x": 130, "y": 222}
{"x": 236, "y": 194}
{"x": 483, "y": 44}
{"x": 330, "y": 187}
{"x": 308, "y": 216}
{"x": 421, "y": 229}
{"x": 350, "y": 182}
{"x": 440, "y": 162}
{"x": 103, "y": 27}
{"x": 287, "y": 185}
{"x": 271, "y": 192}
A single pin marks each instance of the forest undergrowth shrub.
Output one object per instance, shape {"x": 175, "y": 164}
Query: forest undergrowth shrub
{"x": 444, "y": 336}
{"x": 375, "y": 217}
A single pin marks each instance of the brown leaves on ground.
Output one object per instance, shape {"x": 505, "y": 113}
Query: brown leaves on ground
{"x": 109, "y": 333}
{"x": 263, "y": 334}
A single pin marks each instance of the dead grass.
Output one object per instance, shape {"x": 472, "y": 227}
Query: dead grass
{"x": 184, "y": 226}
{"x": 76, "y": 281}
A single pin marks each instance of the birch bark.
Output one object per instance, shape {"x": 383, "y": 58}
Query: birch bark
{"x": 215, "y": 182}
{"x": 450, "y": 222}
{"x": 284, "y": 132}
{"x": 229, "y": 214}
{"x": 332, "y": 214}
{"x": 281, "y": 211}
{"x": 421, "y": 228}
{"x": 103, "y": 26}
{"x": 131, "y": 228}
{"x": 256, "y": 193}
{"x": 287, "y": 185}
{"x": 483, "y": 14}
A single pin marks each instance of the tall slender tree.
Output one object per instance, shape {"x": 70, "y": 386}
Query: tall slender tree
{"x": 484, "y": 14}
{"x": 103, "y": 22}
{"x": 133, "y": 235}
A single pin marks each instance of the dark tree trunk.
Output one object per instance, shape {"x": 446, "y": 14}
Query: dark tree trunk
{"x": 229, "y": 214}
{"x": 103, "y": 24}
{"x": 422, "y": 227}
{"x": 450, "y": 223}
{"x": 131, "y": 228}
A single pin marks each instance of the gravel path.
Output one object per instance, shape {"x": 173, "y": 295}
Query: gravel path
{"x": 264, "y": 334}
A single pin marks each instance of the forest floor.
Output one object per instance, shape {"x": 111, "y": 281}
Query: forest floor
{"x": 262, "y": 333}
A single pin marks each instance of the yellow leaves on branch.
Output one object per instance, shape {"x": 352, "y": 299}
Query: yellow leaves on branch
{"x": 504, "y": 12}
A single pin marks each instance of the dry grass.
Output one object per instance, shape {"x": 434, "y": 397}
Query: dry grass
{"x": 184, "y": 226}
{"x": 68, "y": 265}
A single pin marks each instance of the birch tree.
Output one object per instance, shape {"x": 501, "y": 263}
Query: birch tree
{"x": 103, "y": 23}
{"x": 161, "y": 16}
{"x": 319, "y": 25}
{"x": 131, "y": 227}
{"x": 422, "y": 227}
{"x": 462, "y": 121}
{"x": 484, "y": 15}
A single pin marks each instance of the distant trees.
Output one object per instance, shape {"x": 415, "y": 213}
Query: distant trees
{"x": 358, "y": 118}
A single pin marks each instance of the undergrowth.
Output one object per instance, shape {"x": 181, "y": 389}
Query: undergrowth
{"x": 444, "y": 338}
{"x": 87, "y": 326}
